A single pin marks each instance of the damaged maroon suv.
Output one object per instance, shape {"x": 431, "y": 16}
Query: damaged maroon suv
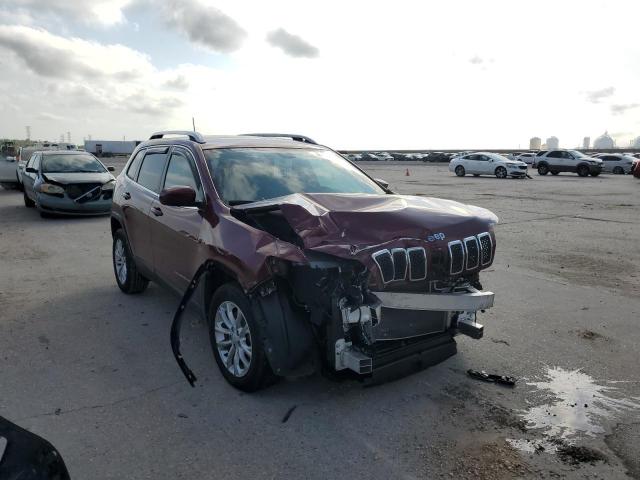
{"x": 298, "y": 259}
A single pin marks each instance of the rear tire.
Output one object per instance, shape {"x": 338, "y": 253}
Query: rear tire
{"x": 594, "y": 174}
{"x": 27, "y": 201}
{"x": 583, "y": 171}
{"x": 124, "y": 266}
{"x": 236, "y": 340}
{"x": 543, "y": 169}
{"x": 460, "y": 171}
{"x": 555, "y": 172}
{"x": 501, "y": 172}
{"x": 476, "y": 174}
{"x": 618, "y": 171}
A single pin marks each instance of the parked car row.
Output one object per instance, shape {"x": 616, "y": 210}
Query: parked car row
{"x": 545, "y": 161}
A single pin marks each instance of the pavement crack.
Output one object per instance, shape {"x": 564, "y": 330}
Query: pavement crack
{"x": 59, "y": 411}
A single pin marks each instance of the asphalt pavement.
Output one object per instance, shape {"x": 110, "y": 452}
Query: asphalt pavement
{"x": 91, "y": 370}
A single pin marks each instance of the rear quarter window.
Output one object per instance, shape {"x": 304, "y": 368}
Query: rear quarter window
{"x": 134, "y": 166}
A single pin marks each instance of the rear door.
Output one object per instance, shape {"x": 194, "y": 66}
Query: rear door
{"x": 609, "y": 162}
{"x": 176, "y": 230}
{"x": 141, "y": 188}
{"x": 470, "y": 163}
{"x": 555, "y": 160}
{"x": 484, "y": 164}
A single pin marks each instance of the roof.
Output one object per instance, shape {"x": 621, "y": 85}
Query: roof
{"x": 63, "y": 152}
{"x": 239, "y": 141}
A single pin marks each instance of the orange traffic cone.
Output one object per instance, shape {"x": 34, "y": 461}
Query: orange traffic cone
{"x": 406, "y": 174}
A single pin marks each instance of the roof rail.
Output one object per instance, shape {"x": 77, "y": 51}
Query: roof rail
{"x": 292, "y": 136}
{"x": 193, "y": 136}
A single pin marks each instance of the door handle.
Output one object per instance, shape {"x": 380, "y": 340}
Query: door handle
{"x": 156, "y": 211}
{"x": 126, "y": 195}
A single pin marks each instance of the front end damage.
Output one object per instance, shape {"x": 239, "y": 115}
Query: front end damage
{"x": 379, "y": 286}
{"x": 370, "y": 307}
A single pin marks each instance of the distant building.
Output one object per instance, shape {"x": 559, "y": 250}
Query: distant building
{"x": 604, "y": 142}
{"x": 108, "y": 148}
{"x": 553, "y": 143}
{"x": 636, "y": 143}
{"x": 535, "y": 143}
{"x": 586, "y": 143}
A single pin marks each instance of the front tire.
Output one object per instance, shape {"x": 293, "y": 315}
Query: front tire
{"x": 236, "y": 340}
{"x": 555, "y": 172}
{"x": 27, "y": 201}
{"x": 127, "y": 276}
{"x": 460, "y": 172}
{"x": 543, "y": 169}
{"x": 594, "y": 174}
{"x": 583, "y": 171}
{"x": 501, "y": 172}
{"x": 618, "y": 171}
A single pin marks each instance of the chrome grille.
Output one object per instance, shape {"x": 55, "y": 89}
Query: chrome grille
{"x": 399, "y": 256}
{"x": 456, "y": 256}
{"x": 395, "y": 264}
{"x": 385, "y": 264}
{"x": 417, "y": 263}
{"x": 486, "y": 248}
{"x": 473, "y": 252}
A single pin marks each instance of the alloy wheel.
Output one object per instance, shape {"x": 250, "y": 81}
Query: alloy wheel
{"x": 120, "y": 261}
{"x": 233, "y": 338}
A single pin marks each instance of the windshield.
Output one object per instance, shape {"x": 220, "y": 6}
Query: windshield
{"x": 243, "y": 175}
{"x": 577, "y": 154}
{"x": 71, "y": 164}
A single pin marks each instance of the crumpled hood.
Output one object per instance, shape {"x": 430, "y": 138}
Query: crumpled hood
{"x": 78, "y": 177}
{"x": 343, "y": 224}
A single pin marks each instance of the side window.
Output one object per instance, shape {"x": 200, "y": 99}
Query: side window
{"x": 36, "y": 161}
{"x": 151, "y": 170}
{"x": 482, "y": 158}
{"x": 134, "y": 166}
{"x": 471, "y": 157}
{"x": 611, "y": 159}
{"x": 30, "y": 161}
{"x": 555, "y": 154}
{"x": 182, "y": 172}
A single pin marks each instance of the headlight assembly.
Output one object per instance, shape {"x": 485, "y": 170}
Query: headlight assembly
{"x": 50, "y": 189}
{"x": 109, "y": 186}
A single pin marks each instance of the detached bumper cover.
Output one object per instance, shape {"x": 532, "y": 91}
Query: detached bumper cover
{"x": 470, "y": 301}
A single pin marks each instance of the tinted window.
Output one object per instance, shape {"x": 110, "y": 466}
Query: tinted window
{"x": 132, "y": 171}
{"x": 482, "y": 158}
{"x": 69, "y": 163}
{"x": 251, "y": 174}
{"x": 181, "y": 172}
{"x": 151, "y": 170}
{"x": 610, "y": 159}
{"x": 555, "y": 154}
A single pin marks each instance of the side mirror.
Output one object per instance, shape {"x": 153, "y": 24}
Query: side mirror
{"x": 31, "y": 170}
{"x": 178, "y": 197}
{"x": 382, "y": 183}
{"x": 111, "y": 168}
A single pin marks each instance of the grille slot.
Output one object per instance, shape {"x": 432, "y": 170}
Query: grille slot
{"x": 473, "y": 252}
{"x": 486, "y": 247}
{"x": 417, "y": 263}
{"x": 399, "y": 263}
{"x": 385, "y": 264}
{"x": 456, "y": 257}
{"x": 78, "y": 189}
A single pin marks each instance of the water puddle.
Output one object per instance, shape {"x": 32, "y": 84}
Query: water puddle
{"x": 578, "y": 405}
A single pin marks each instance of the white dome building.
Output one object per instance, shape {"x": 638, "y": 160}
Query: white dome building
{"x": 535, "y": 143}
{"x": 604, "y": 142}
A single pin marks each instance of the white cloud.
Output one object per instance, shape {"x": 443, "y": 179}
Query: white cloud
{"x": 292, "y": 45}
{"x": 105, "y": 12}
{"x": 205, "y": 25}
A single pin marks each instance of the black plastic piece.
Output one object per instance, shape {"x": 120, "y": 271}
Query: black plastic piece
{"x": 492, "y": 378}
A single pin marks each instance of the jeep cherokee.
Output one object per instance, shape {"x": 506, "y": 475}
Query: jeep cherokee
{"x": 310, "y": 263}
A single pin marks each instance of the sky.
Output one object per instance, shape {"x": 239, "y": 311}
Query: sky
{"x": 352, "y": 74}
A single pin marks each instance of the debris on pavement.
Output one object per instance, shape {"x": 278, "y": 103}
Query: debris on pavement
{"x": 492, "y": 378}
